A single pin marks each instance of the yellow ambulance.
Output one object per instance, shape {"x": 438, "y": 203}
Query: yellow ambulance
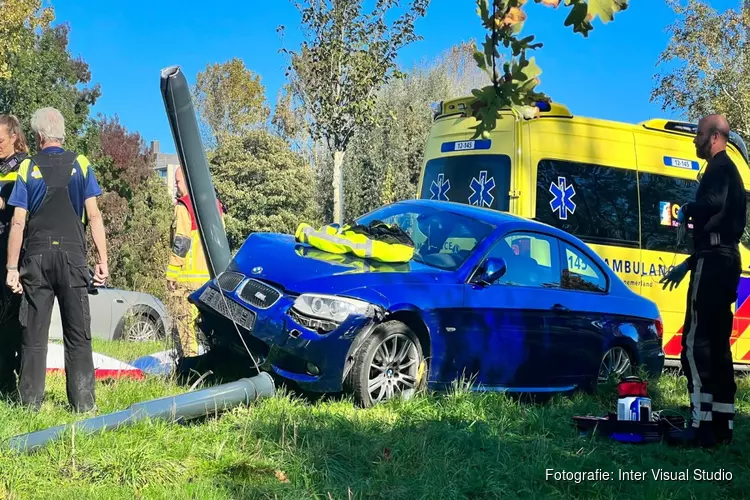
{"x": 617, "y": 186}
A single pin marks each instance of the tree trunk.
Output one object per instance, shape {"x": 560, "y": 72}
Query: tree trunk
{"x": 338, "y": 187}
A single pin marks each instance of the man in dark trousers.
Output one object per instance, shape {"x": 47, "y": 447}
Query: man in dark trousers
{"x": 58, "y": 190}
{"x": 718, "y": 217}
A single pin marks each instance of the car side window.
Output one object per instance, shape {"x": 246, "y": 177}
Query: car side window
{"x": 531, "y": 260}
{"x": 579, "y": 271}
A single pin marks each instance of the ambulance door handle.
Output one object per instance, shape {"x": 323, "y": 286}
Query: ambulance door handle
{"x": 559, "y": 308}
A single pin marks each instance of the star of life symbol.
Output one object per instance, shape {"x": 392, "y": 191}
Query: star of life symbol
{"x": 440, "y": 187}
{"x": 562, "y": 198}
{"x": 480, "y": 190}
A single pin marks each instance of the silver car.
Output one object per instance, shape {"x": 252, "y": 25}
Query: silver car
{"x": 118, "y": 314}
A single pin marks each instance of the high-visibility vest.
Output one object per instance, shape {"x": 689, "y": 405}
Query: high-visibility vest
{"x": 351, "y": 260}
{"x": 348, "y": 240}
{"x": 190, "y": 269}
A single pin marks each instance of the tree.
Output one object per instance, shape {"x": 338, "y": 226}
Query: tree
{"x": 712, "y": 55}
{"x": 230, "y": 99}
{"x": 263, "y": 185}
{"x": 346, "y": 57}
{"x": 45, "y": 74}
{"x": 384, "y": 164}
{"x": 136, "y": 206}
{"x": 515, "y": 86}
{"x": 17, "y": 18}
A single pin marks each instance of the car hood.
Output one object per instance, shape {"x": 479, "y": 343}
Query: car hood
{"x": 301, "y": 268}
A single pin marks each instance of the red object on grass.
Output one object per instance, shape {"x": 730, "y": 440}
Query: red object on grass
{"x": 632, "y": 387}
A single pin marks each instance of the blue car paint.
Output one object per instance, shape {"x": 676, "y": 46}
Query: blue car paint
{"x": 521, "y": 345}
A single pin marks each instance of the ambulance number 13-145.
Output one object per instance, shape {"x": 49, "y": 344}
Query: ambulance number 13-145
{"x": 464, "y": 145}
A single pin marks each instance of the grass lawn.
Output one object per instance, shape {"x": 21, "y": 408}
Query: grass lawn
{"x": 454, "y": 445}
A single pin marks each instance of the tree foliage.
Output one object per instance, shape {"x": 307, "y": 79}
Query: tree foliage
{"x": 230, "y": 99}
{"x": 709, "y": 55}
{"x": 136, "y": 206}
{"x": 514, "y": 85}
{"x": 44, "y": 74}
{"x": 17, "y": 18}
{"x": 263, "y": 185}
{"x": 347, "y": 55}
{"x": 384, "y": 165}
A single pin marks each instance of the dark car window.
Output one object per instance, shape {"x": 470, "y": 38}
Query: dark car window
{"x": 441, "y": 239}
{"x": 580, "y": 272}
{"x": 481, "y": 180}
{"x": 531, "y": 259}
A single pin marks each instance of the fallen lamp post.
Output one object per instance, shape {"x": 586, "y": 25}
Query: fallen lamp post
{"x": 181, "y": 407}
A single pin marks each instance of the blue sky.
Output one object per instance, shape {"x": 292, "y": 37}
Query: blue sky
{"x": 127, "y": 43}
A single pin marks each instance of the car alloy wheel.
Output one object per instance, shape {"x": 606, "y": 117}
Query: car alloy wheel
{"x": 142, "y": 330}
{"x": 393, "y": 369}
{"x": 389, "y": 364}
{"x": 616, "y": 361}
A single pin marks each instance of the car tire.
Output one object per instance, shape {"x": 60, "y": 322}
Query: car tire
{"x": 143, "y": 329}
{"x": 390, "y": 363}
{"x": 617, "y": 360}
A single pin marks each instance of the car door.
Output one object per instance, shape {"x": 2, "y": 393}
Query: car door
{"x": 588, "y": 313}
{"x": 100, "y": 306}
{"x": 515, "y": 323}
{"x": 100, "y": 303}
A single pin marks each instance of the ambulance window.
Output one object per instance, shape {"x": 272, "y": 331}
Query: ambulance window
{"x": 482, "y": 180}
{"x": 595, "y": 203}
{"x": 661, "y": 198}
{"x": 580, "y": 272}
{"x": 746, "y": 234}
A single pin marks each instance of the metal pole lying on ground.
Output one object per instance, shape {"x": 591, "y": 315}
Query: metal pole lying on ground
{"x": 187, "y": 140}
{"x": 174, "y": 408}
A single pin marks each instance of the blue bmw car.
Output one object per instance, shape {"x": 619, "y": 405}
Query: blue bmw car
{"x": 508, "y": 303}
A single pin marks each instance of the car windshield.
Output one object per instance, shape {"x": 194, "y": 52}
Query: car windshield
{"x": 441, "y": 239}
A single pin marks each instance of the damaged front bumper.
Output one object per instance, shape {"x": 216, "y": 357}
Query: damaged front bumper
{"x": 282, "y": 339}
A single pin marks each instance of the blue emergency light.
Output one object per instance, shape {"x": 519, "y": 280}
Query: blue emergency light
{"x": 543, "y": 106}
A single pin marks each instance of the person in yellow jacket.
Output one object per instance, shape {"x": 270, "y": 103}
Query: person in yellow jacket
{"x": 187, "y": 269}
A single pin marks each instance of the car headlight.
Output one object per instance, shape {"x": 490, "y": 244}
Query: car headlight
{"x": 330, "y": 308}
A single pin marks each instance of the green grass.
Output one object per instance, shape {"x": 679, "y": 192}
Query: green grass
{"x": 453, "y": 445}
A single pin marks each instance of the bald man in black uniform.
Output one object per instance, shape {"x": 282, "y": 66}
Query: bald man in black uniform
{"x": 718, "y": 217}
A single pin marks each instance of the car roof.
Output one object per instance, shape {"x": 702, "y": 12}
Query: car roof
{"x": 508, "y": 222}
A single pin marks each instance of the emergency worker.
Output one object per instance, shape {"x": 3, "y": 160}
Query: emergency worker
{"x": 13, "y": 150}
{"x": 187, "y": 269}
{"x": 718, "y": 217}
{"x": 58, "y": 190}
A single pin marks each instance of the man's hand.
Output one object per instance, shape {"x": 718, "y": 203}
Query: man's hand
{"x": 101, "y": 273}
{"x": 673, "y": 278}
{"x": 13, "y": 281}
{"x": 171, "y": 285}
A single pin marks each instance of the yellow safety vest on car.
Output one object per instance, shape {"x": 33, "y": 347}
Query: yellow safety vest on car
{"x": 351, "y": 260}
{"x": 378, "y": 241}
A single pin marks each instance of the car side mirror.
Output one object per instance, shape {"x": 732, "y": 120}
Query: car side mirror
{"x": 494, "y": 269}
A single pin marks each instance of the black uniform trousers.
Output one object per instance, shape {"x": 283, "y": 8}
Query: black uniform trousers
{"x": 45, "y": 275}
{"x": 706, "y": 353}
{"x": 10, "y": 338}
